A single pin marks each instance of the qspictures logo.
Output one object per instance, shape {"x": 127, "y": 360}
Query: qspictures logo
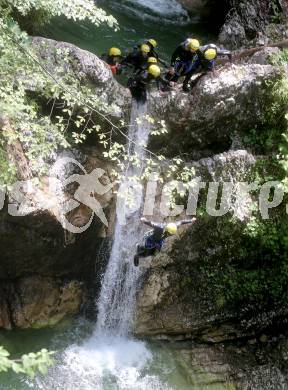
{"x": 132, "y": 195}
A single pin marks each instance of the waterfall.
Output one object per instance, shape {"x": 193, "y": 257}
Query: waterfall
{"x": 117, "y": 298}
{"x": 109, "y": 359}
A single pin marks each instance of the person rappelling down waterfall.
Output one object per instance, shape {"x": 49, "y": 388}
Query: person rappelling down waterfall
{"x": 154, "y": 239}
{"x": 139, "y": 83}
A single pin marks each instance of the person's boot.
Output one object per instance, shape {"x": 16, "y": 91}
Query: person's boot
{"x": 185, "y": 88}
{"x": 136, "y": 260}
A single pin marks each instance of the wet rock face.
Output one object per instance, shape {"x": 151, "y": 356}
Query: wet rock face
{"x": 236, "y": 366}
{"x": 212, "y": 12}
{"x": 243, "y": 23}
{"x": 36, "y": 242}
{"x": 175, "y": 301}
{"x": 199, "y": 6}
{"x": 254, "y": 23}
{"x": 172, "y": 302}
{"x": 36, "y": 302}
{"x": 203, "y": 123}
{"x": 182, "y": 294}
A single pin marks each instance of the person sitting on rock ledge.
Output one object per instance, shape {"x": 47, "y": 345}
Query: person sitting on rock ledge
{"x": 154, "y": 239}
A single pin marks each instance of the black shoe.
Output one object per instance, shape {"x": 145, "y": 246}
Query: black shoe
{"x": 136, "y": 260}
{"x": 186, "y": 88}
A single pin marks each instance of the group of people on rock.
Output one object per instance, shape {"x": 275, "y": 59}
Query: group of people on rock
{"x": 188, "y": 59}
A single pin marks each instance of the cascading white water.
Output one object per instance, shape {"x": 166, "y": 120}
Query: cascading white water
{"x": 117, "y": 298}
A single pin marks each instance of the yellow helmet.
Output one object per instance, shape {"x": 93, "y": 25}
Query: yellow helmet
{"x": 210, "y": 54}
{"x": 153, "y": 42}
{"x": 145, "y": 48}
{"x": 152, "y": 60}
{"x": 154, "y": 70}
{"x": 193, "y": 44}
{"x": 114, "y": 51}
{"x": 171, "y": 228}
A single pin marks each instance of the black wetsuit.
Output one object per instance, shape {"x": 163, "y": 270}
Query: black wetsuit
{"x": 182, "y": 61}
{"x": 110, "y": 60}
{"x": 155, "y": 240}
{"x": 135, "y": 59}
{"x": 138, "y": 84}
{"x": 204, "y": 65}
{"x": 153, "y": 52}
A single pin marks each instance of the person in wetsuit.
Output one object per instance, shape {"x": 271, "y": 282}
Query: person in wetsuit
{"x": 138, "y": 58}
{"x": 152, "y": 43}
{"x": 113, "y": 59}
{"x": 205, "y": 62}
{"x": 155, "y": 239}
{"x": 139, "y": 83}
{"x": 183, "y": 60}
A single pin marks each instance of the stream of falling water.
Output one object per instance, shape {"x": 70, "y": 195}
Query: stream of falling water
{"x": 111, "y": 358}
{"x": 119, "y": 287}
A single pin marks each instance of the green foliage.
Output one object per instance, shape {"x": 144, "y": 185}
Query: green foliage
{"x": 76, "y": 111}
{"x": 250, "y": 271}
{"x": 267, "y": 136}
{"x": 280, "y": 59}
{"x": 251, "y": 268}
{"x": 28, "y": 364}
{"x": 40, "y": 137}
{"x": 41, "y": 133}
{"x": 72, "y": 9}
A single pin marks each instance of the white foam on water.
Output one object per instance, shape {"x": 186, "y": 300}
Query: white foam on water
{"x": 104, "y": 363}
{"x": 166, "y": 11}
{"x": 165, "y": 8}
{"x": 120, "y": 357}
